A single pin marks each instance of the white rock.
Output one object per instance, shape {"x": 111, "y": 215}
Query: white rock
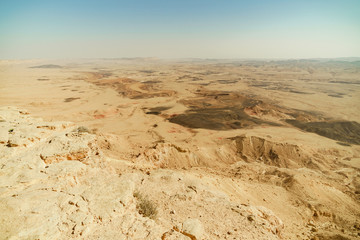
{"x": 194, "y": 227}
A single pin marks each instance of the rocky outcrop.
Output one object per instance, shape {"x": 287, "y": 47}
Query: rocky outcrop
{"x": 55, "y": 183}
{"x": 252, "y": 148}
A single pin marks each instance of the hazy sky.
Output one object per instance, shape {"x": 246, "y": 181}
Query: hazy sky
{"x": 179, "y": 28}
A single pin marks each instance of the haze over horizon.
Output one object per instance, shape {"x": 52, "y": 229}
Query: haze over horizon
{"x": 179, "y": 29}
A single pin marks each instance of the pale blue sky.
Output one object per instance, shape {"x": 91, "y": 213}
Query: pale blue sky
{"x": 177, "y": 29}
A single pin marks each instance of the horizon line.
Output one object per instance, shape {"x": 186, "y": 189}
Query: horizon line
{"x": 182, "y": 58}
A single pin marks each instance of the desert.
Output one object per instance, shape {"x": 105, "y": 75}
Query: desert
{"x": 148, "y": 148}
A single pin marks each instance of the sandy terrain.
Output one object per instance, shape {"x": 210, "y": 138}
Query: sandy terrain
{"x": 154, "y": 149}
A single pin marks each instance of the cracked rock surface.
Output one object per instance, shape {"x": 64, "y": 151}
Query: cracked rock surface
{"x": 55, "y": 183}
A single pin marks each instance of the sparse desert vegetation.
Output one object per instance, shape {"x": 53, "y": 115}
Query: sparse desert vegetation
{"x": 145, "y": 207}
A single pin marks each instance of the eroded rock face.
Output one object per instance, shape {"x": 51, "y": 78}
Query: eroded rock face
{"x": 252, "y": 148}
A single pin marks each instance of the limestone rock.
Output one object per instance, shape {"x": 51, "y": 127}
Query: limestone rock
{"x": 193, "y": 227}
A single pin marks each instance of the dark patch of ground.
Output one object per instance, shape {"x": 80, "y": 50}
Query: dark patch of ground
{"x": 345, "y": 82}
{"x": 157, "y": 110}
{"x": 151, "y": 82}
{"x": 343, "y": 144}
{"x": 147, "y": 71}
{"x": 189, "y": 77}
{"x": 153, "y": 113}
{"x": 71, "y": 99}
{"x": 331, "y": 237}
{"x": 47, "y": 66}
{"x": 123, "y": 87}
{"x": 299, "y": 92}
{"x": 342, "y": 131}
{"x": 217, "y": 119}
{"x": 218, "y": 110}
{"x": 202, "y": 84}
{"x": 337, "y": 95}
{"x": 227, "y": 81}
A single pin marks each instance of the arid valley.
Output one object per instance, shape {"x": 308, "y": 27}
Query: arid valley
{"x": 144, "y": 148}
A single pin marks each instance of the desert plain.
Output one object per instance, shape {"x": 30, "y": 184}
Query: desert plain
{"x": 147, "y": 148}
